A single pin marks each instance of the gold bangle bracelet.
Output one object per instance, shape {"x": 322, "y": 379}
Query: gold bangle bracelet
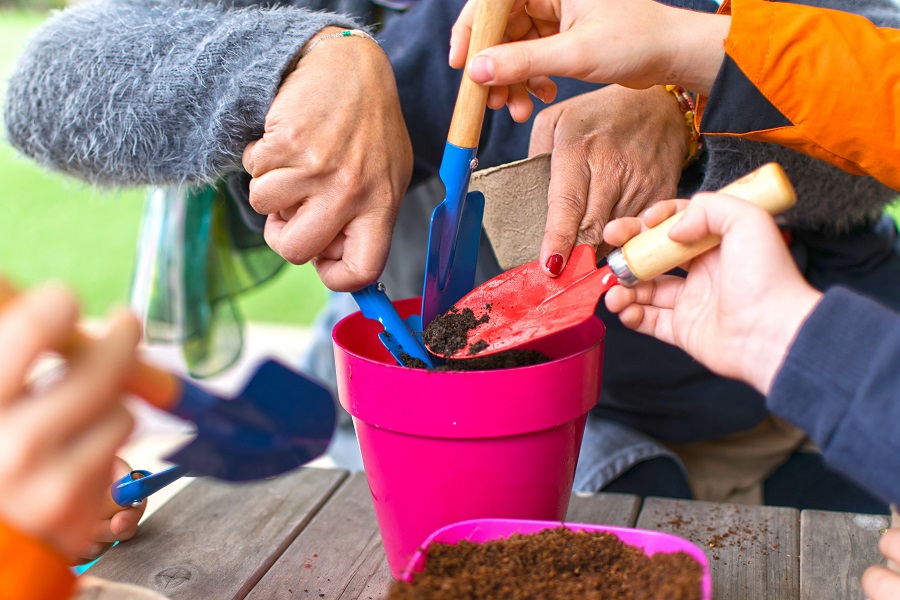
{"x": 686, "y": 106}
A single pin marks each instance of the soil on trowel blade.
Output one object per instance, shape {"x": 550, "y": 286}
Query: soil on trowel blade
{"x": 450, "y": 332}
{"x": 553, "y": 564}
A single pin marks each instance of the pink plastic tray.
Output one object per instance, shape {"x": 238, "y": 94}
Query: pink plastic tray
{"x": 483, "y": 530}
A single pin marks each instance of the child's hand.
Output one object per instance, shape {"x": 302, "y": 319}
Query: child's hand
{"x": 742, "y": 303}
{"x": 636, "y": 44}
{"x": 57, "y": 443}
{"x": 116, "y": 523}
{"x": 880, "y": 583}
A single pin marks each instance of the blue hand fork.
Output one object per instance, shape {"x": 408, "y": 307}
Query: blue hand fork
{"x": 132, "y": 489}
{"x": 401, "y": 338}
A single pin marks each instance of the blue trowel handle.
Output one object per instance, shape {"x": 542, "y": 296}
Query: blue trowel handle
{"x": 137, "y": 485}
{"x": 397, "y": 337}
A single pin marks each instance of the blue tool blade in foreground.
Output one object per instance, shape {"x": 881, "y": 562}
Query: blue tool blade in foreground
{"x": 453, "y": 237}
{"x": 278, "y": 422}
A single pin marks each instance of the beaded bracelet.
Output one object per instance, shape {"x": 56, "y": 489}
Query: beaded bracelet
{"x": 341, "y": 34}
{"x": 686, "y": 105}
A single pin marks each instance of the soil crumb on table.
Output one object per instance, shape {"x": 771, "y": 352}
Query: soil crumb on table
{"x": 553, "y": 564}
{"x": 450, "y": 332}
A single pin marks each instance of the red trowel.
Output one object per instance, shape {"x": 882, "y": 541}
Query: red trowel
{"x": 524, "y": 304}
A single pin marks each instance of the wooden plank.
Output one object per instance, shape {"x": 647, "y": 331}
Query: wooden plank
{"x": 604, "y": 509}
{"x": 338, "y": 555}
{"x": 754, "y": 551}
{"x": 835, "y": 549}
{"x": 216, "y": 540}
{"x": 346, "y": 559}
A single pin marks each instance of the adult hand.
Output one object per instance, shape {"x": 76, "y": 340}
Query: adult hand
{"x": 57, "y": 441}
{"x": 333, "y": 163}
{"x": 117, "y": 526}
{"x": 615, "y": 151}
{"x": 880, "y": 583}
{"x": 636, "y": 44}
{"x": 742, "y": 303}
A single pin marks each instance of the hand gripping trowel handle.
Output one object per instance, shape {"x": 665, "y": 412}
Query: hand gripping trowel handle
{"x": 468, "y": 115}
{"x": 652, "y": 253}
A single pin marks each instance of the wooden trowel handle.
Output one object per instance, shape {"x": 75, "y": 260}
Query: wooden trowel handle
{"x": 468, "y": 115}
{"x": 652, "y": 253}
{"x": 156, "y": 386}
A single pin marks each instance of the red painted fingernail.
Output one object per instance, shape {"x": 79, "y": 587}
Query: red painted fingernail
{"x": 555, "y": 264}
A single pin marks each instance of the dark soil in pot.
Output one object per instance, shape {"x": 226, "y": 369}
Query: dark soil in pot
{"x": 501, "y": 360}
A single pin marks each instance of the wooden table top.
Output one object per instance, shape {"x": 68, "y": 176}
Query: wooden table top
{"x": 312, "y": 534}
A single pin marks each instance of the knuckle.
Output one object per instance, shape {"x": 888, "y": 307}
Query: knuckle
{"x": 544, "y": 120}
{"x": 569, "y": 204}
{"x": 248, "y": 158}
{"x": 590, "y": 234}
{"x": 259, "y": 199}
{"x": 259, "y": 203}
{"x": 457, "y": 30}
{"x": 560, "y": 238}
{"x": 521, "y": 63}
{"x": 292, "y": 250}
{"x": 315, "y": 161}
{"x": 348, "y": 181}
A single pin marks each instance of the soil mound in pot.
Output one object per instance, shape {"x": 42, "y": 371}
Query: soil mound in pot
{"x": 502, "y": 360}
{"x": 553, "y": 564}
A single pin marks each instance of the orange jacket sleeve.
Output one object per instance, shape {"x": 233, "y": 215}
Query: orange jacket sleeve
{"x": 31, "y": 570}
{"x": 820, "y": 81}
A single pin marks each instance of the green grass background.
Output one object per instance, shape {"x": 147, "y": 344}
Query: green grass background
{"x": 53, "y": 227}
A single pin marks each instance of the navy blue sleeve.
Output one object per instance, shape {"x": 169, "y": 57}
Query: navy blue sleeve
{"x": 736, "y": 105}
{"x": 841, "y": 384}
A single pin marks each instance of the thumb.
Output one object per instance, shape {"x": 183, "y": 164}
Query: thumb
{"x": 566, "y": 207}
{"x": 520, "y": 61}
{"x": 709, "y": 214}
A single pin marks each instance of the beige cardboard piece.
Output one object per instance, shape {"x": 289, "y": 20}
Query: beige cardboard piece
{"x": 515, "y": 208}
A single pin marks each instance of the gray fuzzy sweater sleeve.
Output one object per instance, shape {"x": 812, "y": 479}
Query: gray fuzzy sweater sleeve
{"x": 126, "y": 92}
{"x": 829, "y": 199}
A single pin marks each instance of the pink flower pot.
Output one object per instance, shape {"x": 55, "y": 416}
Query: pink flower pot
{"x": 442, "y": 447}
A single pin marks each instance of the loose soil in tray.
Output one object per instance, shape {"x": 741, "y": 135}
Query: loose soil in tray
{"x": 552, "y": 564}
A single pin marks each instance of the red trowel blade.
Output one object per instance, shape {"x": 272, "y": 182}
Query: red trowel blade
{"x": 525, "y": 304}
